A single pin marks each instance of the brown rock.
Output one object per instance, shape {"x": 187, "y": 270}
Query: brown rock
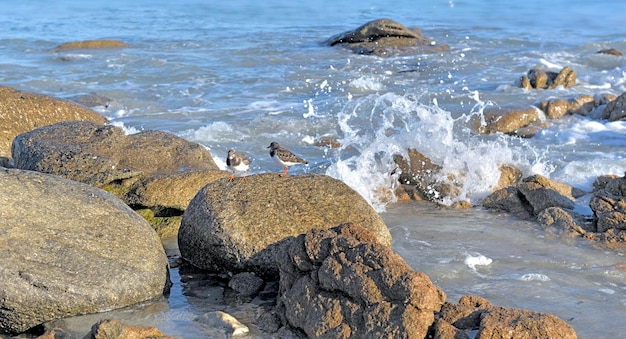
{"x": 609, "y": 206}
{"x": 113, "y": 329}
{"x": 557, "y": 108}
{"x": 384, "y": 37}
{"x": 505, "y": 119}
{"x": 98, "y": 155}
{"x": 541, "y": 193}
{"x": 510, "y": 175}
{"x": 540, "y": 79}
{"x": 616, "y": 109}
{"x": 611, "y": 51}
{"x": 234, "y": 227}
{"x": 90, "y": 44}
{"x": 22, "y": 112}
{"x": 564, "y": 222}
{"x": 340, "y": 283}
{"x": 418, "y": 169}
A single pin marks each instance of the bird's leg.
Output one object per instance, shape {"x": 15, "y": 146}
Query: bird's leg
{"x": 232, "y": 177}
{"x": 244, "y": 177}
{"x": 284, "y": 172}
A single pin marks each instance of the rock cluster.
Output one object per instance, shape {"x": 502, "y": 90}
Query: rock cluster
{"x": 540, "y": 79}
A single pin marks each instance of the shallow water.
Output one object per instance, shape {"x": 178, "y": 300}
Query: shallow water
{"x": 241, "y": 74}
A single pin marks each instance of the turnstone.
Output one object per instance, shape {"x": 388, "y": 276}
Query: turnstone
{"x": 284, "y": 157}
{"x": 237, "y": 162}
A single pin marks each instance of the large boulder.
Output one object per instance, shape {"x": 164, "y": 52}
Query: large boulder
{"x": 478, "y": 315}
{"x": 231, "y": 227}
{"x": 23, "y": 111}
{"x": 342, "y": 283}
{"x": 69, "y": 249}
{"x": 384, "y": 37}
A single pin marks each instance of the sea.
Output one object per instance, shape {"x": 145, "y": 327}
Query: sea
{"x": 240, "y": 74}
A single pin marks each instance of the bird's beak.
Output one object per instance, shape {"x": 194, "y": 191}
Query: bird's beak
{"x": 270, "y": 146}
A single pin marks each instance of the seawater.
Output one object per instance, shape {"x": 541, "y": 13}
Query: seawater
{"x": 241, "y": 74}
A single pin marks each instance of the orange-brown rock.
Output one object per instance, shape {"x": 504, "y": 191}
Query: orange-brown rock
{"x": 541, "y": 79}
{"x": 507, "y": 120}
{"x": 611, "y": 51}
{"x": 90, "y": 44}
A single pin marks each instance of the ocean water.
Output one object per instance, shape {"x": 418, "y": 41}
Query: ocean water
{"x": 241, "y": 74}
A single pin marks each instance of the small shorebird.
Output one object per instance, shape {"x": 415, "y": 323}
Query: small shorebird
{"x": 237, "y": 162}
{"x": 284, "y": 157}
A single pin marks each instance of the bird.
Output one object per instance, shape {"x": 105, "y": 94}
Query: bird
{"x": 284, "y": 157}
{"x": 237, "y": 162}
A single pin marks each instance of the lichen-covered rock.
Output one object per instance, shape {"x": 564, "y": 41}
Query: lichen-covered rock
{"x": 235, "y": 227}
{"x": 384, "y": 37}
{"x": 21, "y": 112}
{"x": 540, "y": 79}
{"x": 71, "y": 249}
{"x": 342, "y": 283}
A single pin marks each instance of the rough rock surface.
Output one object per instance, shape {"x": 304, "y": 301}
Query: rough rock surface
{"x": 342, "y": 283}
{"x": 113, "y": 329}
{"x": 384, "y": 37}
{"x": 90, "y": 44}
{"x": 616, "y": 109}
{"x": 505, "y": 120}
{"x": 23, "y": 111}
{"x": 237, "y": 226}
{"x": 494, "y": 322}
{"x": 611, "y": 51}
{"x": 71, "y": 249}
{"x": 531, "y": 196}
{"x": 540, "y": 79}
{"x": 609, "y": 206}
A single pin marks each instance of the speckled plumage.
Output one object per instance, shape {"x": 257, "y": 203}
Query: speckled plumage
{"x": 284, "y": 157}
{"x": 237, "y": 162}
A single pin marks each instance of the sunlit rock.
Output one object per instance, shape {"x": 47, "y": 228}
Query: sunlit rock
{"x": 541, "y": 79}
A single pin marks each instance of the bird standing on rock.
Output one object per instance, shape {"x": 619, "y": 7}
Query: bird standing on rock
{"x": 284, "y": 157}
{"x": 237, "y": 162}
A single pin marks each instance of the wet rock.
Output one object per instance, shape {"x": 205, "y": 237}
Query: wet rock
{"x": 476, "y": 313}
{"x": 91, "y": 100}
{"x": 71, "y": 249}
{"x": 540, "y": 79}
{"x": 151, "y": 169}
{"x": 531, "y": 196}
{"x": 90, "y": 44}
{"x": 565, "y": 223}
{"x": 611, "y": 51}
{"x": 505, "y": 120}
{"x": 238, "y": 227}
{"x": 23, "y": 111}
{"x": 419, "y": 169}
{"x": 246, "y": 284}
{"x": 385, "y": 37}
{"x": 609, "y": 206}
{"x": 113, "y": 329}
{"x": 582, "y": 105}
{"x": 342, "y": 283}
{"x": 616, "y": 109}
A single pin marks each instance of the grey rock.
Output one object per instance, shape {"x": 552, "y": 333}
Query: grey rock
{"x": 71, "y": 249}
{"x": 238, "y": 227}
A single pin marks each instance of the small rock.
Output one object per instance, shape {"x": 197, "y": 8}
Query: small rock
{"x": 225, "y": 322}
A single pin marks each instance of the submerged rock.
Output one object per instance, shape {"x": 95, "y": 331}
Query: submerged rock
{"x": 342, "y": 283}
{"x": 21, "y": 112}
{"x": 71, "y": 249}
{"x": 540, "y": 79}
{"x": 235, "y": 227}
{"x": 616, "y": 109}
{"x": 384, "y": 37}
{"x": 90, "y": 44}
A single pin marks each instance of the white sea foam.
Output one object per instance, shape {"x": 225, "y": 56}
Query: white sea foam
{"x": 127, "y": 130}
{"x": 534, "y": 277}
{"x": 472, "y": 261}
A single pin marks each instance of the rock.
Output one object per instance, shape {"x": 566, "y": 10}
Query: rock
{"x": 385, "y": 37}
{"x": 616, "y": 109}
{"x": 531, "y": 196}
{"x": 71, "y": 249}
{"x": 611, "y": 51}
{"x": 609, "y": 206}
{"x": 505, "y": 120}
{"x": 419, "y": 169}
{"x": 23, "y": 111}
{"x": 224, "y": 321}
{"x": 98, "y": 154}
{"x": 91, "y": 100}
{"x": 540, "y": 79}
{"x": 238, "y": 227}
{"x": 341, "y": 283}
{"x": 476, "y": 313}
{"x": 509, "y": 175}
{"x": 113, "y": 329}
{"x": 246, "y": 284}
{"x": 563, "y": 221}
{"x": 90, "y": 44}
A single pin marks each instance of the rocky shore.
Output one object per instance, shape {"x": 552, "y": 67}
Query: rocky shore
{"x": 84, "y": 207}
